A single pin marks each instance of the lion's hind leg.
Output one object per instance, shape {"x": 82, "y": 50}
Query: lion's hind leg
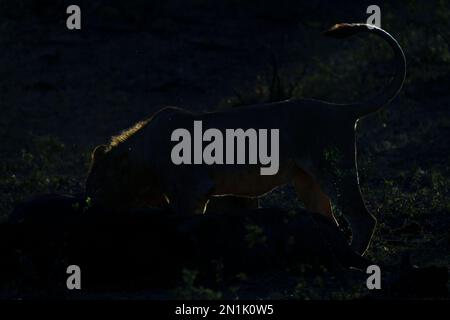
{"x": 361, "y": 221}
{"x": 312, "y": 196}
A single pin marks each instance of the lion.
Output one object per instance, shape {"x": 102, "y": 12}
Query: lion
{"x": 317, "y": 154}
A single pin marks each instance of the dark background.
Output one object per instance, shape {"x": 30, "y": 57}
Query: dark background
{"x": 63, "y": 92}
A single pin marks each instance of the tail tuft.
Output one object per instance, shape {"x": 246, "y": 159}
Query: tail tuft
{"x": 344, "y": 30}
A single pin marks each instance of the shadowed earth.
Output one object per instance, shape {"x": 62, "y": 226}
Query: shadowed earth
{"x": 152, "y": 249}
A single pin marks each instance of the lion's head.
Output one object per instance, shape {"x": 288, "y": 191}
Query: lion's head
{"x": 108, "y": 180}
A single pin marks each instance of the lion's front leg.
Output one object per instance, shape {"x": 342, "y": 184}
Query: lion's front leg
{"x": 189, "y": 196}
{"x": 188, "y": 204}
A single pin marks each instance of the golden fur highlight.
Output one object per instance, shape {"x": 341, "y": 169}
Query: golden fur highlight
{"x": 126, "y": 134}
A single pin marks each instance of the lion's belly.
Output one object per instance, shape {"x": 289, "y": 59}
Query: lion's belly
{"x": 246, "y": 181}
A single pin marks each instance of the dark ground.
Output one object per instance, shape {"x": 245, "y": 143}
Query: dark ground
{"x": 62, "y": 93}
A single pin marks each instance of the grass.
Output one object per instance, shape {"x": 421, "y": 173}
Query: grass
{"x": 44, "y": 165}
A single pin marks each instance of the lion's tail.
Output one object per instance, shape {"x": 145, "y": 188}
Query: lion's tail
{"x": 377, "y": 102}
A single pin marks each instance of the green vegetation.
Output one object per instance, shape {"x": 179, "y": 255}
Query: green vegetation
{"x": 188, "y": 289}
{"x": 43, "y": 165}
